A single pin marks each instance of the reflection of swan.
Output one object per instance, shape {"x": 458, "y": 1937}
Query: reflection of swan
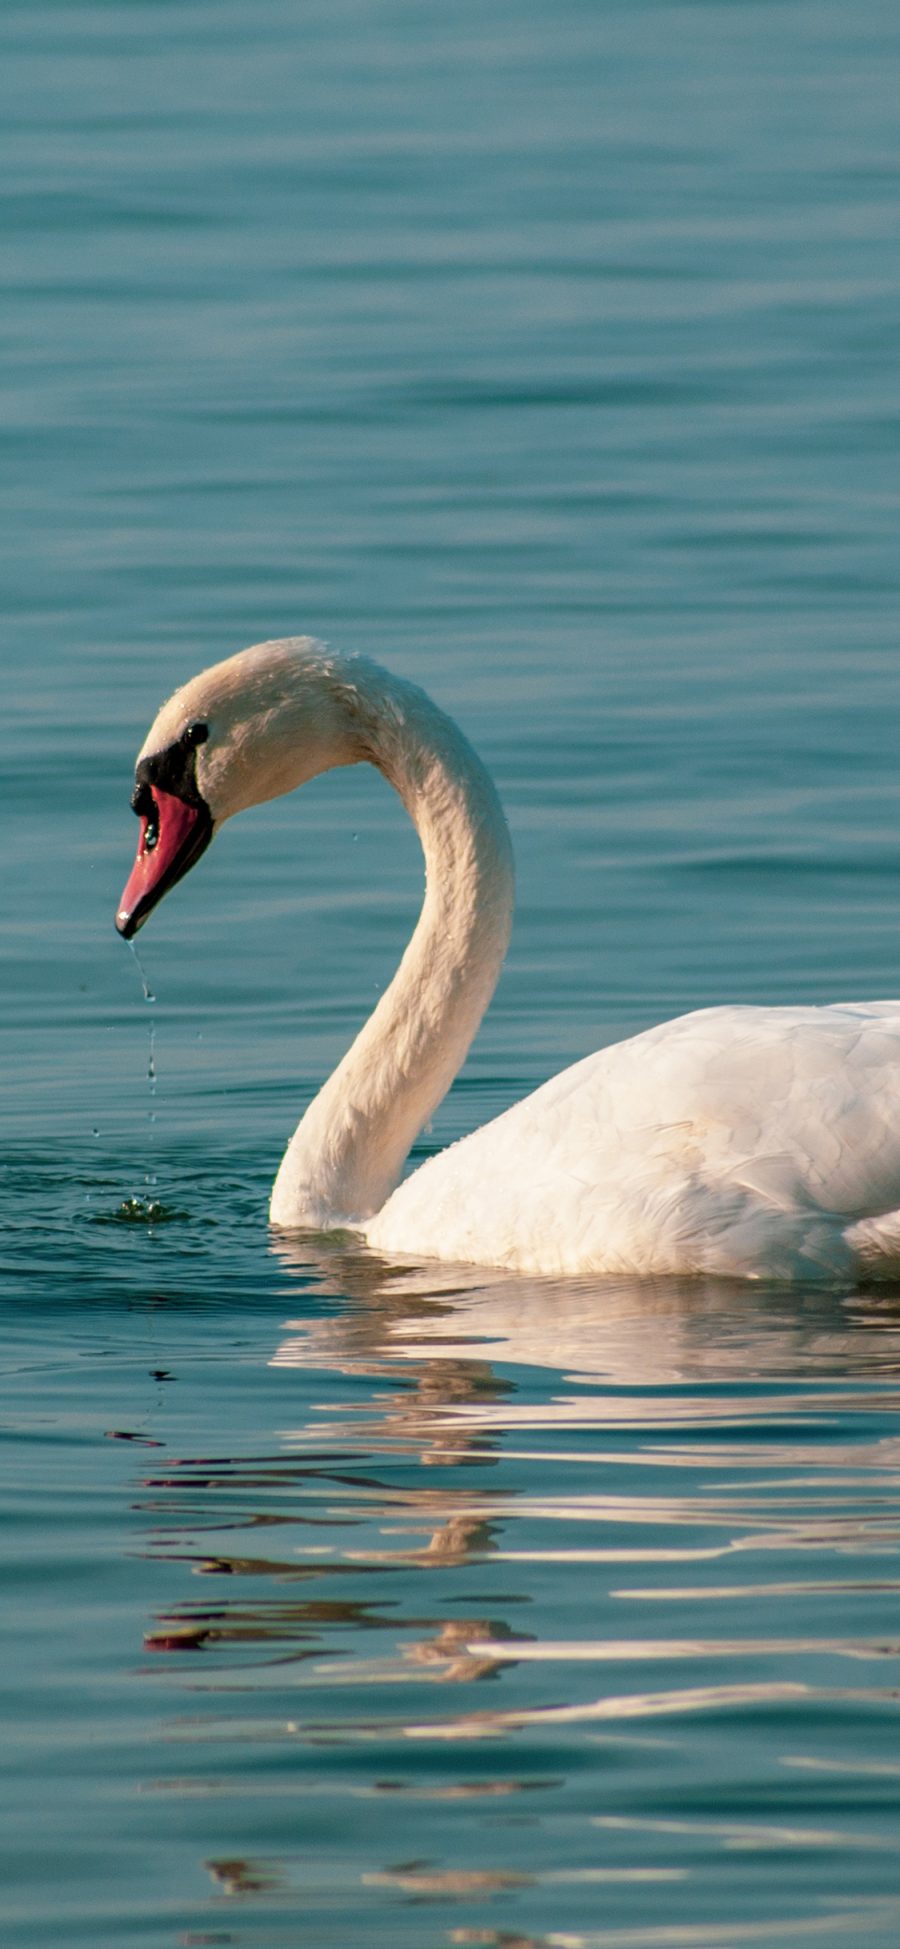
{"x": 451, "y": 1334}
{"x": 736, "y": 1140}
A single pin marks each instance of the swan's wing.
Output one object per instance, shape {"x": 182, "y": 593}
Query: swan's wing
{"x": 799, "y": 1104}
{"x": 732, "y": 1140}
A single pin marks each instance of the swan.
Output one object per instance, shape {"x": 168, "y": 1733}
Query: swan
{"x": 737, "y": 1141}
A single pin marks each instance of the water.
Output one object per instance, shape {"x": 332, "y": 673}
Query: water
{"x": 547, "y": 352}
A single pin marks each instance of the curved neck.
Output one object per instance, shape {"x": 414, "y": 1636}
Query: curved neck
{"x": 348, "y": 1151}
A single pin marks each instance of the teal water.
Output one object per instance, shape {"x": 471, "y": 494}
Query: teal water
{"x": 548, "y": 352}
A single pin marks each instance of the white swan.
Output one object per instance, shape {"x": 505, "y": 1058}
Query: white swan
{"x": 737, "y": 1141}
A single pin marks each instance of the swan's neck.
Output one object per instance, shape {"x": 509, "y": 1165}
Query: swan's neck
{"x": 347, "y": 1153}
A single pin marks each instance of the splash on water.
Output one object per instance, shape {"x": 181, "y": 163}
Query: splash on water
{"x": 141, "y": 1211}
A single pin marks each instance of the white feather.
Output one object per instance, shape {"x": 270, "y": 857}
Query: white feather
{"x": 745, "y": 1141}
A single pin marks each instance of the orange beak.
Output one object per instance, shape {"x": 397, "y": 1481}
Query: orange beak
{"x": 173, "y": 835}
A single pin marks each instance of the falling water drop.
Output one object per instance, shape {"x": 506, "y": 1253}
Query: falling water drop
{"x": 148, "y": 992}
{"x": 150, "y": 1175}
{"x": 149, "y": 996}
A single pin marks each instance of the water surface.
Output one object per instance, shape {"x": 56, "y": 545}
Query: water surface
{"x": 548, "y": 353}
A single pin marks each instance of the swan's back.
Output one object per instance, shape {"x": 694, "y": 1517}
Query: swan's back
{"x": 732, "y": 1141}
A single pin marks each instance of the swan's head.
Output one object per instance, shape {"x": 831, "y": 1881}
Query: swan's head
{"x": 246, "y": 730}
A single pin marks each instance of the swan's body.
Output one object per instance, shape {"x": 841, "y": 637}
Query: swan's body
{"x": 743, "y": 1141}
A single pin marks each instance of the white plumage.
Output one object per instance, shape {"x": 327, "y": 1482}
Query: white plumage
{"x": 741, "y": 1141}
{"x": 738, "y": 1141}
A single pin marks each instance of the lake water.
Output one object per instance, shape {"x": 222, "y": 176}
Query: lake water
{"x": 547, "y": 351}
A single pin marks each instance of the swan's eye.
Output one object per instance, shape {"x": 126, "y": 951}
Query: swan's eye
{"x": 195, "y": 734}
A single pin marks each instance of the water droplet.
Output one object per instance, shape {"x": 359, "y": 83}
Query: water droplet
{"x": 148, "y": 991}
